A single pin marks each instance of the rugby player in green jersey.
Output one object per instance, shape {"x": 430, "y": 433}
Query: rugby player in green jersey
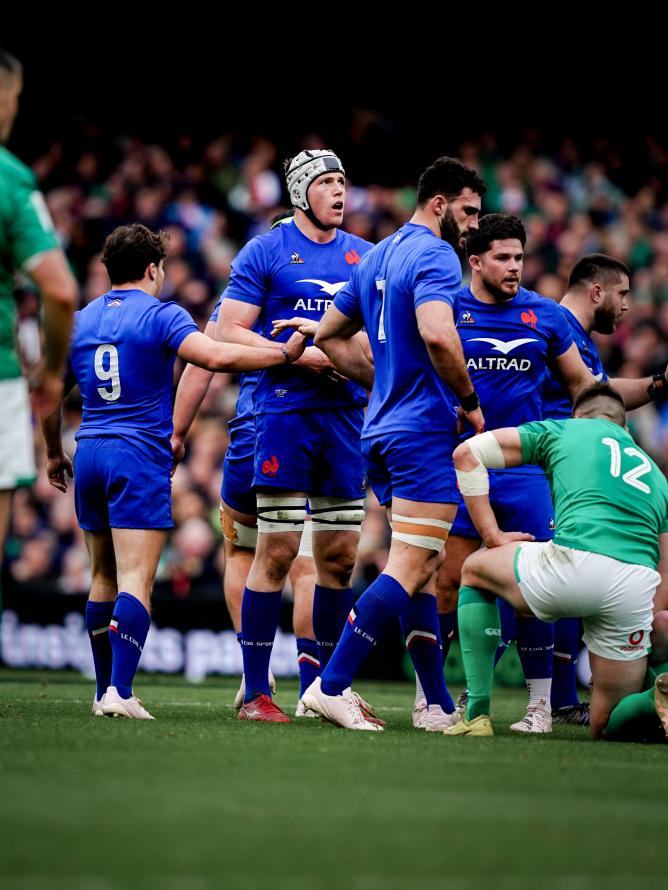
{"x": 27, "y": 244}
{"x": 611, "y": 512}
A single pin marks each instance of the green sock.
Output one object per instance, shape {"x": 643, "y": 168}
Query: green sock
{"x": 632, "y": 717}
{"x": 479, "y": 634}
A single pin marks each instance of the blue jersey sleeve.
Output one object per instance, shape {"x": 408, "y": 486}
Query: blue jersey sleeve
{"x": 249, "y": 279}
{"x": 347, "y": 299}
{"x": 173, "y": 325}
{"x": 439, "y": 277}
{"x": 561, "y": 338}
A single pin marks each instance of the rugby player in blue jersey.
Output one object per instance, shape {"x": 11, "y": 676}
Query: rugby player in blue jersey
{"x": 404, "y": 293}
{"x": 511, "y": 337}
{"x": 596, "y": 299}
{"x": 237, "y": 513}
{"x": 122, "y": 355}
{"x": 307, "y": 419}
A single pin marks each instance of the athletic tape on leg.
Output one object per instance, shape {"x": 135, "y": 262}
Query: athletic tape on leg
{"x": 237, "y": 533}
{"x": 428, "y": 533}
{"x": 306, "y": 543}
{"x": 336, "y": 514}
{"x": 278, "y": 513}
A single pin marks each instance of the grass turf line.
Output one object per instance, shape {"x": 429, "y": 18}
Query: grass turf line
{"x": 199, "y": 799}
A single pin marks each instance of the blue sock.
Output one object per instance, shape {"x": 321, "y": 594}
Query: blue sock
{"x": 128, "y": 630}
{"x": 380, "y": 605}
{"x": 309, "y": 665}
{"x": 331, "y": 607}
{"x": 98, "y": 616}
{"x": 508, "y": 628}
{"x": 448, "y": 625}
{"x": 420, "y": 627}
{"x": 260, "y": 616}
{"x": 564, "y": 674}
{"x": 535, "y": 645}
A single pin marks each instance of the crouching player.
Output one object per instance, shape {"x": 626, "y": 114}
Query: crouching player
{"x": 611, "y": 506}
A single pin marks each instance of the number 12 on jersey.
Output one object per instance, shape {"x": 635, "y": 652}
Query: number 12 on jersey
{"x": 632, "y": 476}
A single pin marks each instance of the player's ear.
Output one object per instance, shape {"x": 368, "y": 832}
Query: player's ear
{"x": 474, "y": 262}
{"x": 439, "y": 205}
{"x": 596, "y": 293}
{"x": 152, "y": 271}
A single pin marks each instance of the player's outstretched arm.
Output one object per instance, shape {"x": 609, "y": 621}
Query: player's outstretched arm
{"x": 437, "y": 328}
{"x": 207, "y": 353}
{"x": 337, "y": 337}
{"x": 193, "y": 387}
{"x": 494, "y": 450}
{"x": 641, "y": 390}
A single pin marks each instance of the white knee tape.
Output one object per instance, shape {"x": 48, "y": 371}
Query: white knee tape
{"x": 428, "y": 533}
{"x": 306, "y": 543}
{"x": 336, "y": 514}
{"x": 236, "y": 533}
{"x": 277, "y": 513}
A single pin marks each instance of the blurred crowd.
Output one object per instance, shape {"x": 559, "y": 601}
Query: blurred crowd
{"x": 213, "y": 197}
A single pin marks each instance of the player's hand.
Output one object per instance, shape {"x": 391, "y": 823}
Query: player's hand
{"x": 305, "y": 326}
{"x": 58, "y": 468}
{"x": 178, "y": 452}
{"x": 295, "y": 346}
{"x": 315, "y": 360}
{"x": 46, "y": 393}
{"x": 475, "y": 418}
{"x": 499, "y": 538}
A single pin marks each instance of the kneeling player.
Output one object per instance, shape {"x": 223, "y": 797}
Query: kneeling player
{"x": 611, "y": 505}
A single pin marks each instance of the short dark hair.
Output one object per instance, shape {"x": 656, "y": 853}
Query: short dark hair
{"x": 601, "y": 391}
{"x": 9, "y": 64}
{"x": 130, "y": 249}
{"x": 447, "y": 177}
{"x": 494, "y": 227}
{"x": 596, "y": 267}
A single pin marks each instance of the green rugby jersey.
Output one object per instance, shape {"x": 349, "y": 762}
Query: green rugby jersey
{"x": 609, "y": 496}
{"x": 25, "y": 231}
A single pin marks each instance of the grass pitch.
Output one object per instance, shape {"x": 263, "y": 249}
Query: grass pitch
{"x": 198, "y": 799}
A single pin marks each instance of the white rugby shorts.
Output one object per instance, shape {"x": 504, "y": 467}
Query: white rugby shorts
{"x": 613, "y": 598}
{"x": 17, "y": 454}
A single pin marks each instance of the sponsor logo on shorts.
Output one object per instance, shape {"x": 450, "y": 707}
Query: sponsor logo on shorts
{"x": 635, "y": 642}
{"x": 492, "y": 631}
{"x": 270, "y": 467}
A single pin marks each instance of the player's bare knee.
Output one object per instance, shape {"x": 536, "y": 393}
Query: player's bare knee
{"x": 277, "y": 554}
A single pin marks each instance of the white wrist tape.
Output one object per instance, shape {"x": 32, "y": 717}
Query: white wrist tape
{"x": 486, "y": 449}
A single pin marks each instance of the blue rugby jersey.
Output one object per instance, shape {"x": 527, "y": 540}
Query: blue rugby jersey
{"x": 411, "y": 267}
{"x": 508, "y": 348}
{"x": 122, "y": 354}
{"x": 285, "y": 274}
{"x": 556, "y": 401}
